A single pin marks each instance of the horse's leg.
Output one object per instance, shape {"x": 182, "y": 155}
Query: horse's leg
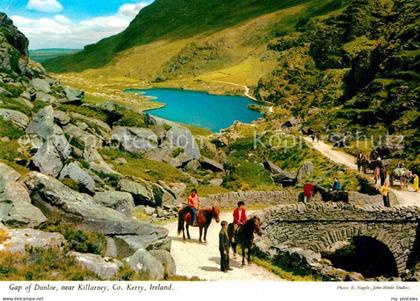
{"x": 188, "y": 231}
{"x": 243, "y": 255}
{"x": 183, "y": 230}
{"x": 201, "y": 233}
{"x": 249, "y": 255}
{"x": 205, "y": 234}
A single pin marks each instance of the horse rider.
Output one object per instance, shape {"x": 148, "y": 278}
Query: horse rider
{"x": 308, "y": 191}
{"x": 193, "y": 204}
{"x": 337, "y": 185}
{"x": 239, "y": 216}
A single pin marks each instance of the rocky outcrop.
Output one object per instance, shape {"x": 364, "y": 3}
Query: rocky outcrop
{"x": 18, "y": 119}
{"x": 19, "y": 239}
{"x": 58, "y": 201}
{"x": 15, "y": 204}
{"x": 78, "y": 174}
{"x": 147, "y": 266}
{"x": 140, "y": 190}
{"x": 55, "y": 148}
{"x": 105, "y": 268}
{"x": 121, "y": 201}
{"x": 135, "y": 140}
{"x": 212, "y": 165}
{"x": 168, "y": 263}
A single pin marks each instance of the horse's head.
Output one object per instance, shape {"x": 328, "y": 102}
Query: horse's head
{"x": 216, "y": 213}
{"x": 257, "y": 224}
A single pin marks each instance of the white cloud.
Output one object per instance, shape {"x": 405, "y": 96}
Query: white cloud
{"x": 46, "y": 6}
{"x": 61, "y": 32}
{"x": 131, "y": 10}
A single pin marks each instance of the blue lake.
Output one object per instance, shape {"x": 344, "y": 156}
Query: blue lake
{"x": 214, "y": 112}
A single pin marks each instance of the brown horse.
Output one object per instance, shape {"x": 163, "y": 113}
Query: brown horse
{"x": 204, "y": 218}
{"x": 245, "y": 236}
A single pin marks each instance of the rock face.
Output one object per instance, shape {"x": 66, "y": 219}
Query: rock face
{"x": 18, "y": 119}
{"x": 19, "y": 239}
{"x": 212, "y": 165}
{"x": 74, "y": 96}
{"x": 120, "y": 201}
{"x": 15, "y": 204}
{"x": 146, "y": 265}
{"x": 135, "y": 140}
{"x": 58, "y": 201}
{"x": 76, "y": 173}
{"x": 166, "y": 260}
{"x": 105, "y": 268}
{"x": 142, "y": 192}
{"x": 55, "y": 148}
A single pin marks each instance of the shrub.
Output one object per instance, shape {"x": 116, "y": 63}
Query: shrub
{"x": 79, "y": 240}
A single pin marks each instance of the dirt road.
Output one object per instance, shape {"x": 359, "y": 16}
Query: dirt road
{"x": 202, "y": 260}
{"x": 405, "y": 198}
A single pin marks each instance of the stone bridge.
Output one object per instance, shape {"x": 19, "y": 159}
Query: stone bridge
{"x": 327, "y": 227}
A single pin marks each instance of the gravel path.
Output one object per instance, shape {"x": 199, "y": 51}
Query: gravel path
{"x": 405, "y": 198}
{"x": 202, "y": 260}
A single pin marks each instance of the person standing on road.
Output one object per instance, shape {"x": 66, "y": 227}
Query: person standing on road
{"x": 224, "y": 247}
{"x": 385, "y": 194}
{"x": 416, "y": 183}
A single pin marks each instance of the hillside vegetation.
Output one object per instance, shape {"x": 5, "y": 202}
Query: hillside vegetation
{"x": 194, "y": 43}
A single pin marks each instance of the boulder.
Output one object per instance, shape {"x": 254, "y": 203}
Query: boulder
{"x": 179, "y": 136}
{"x": 58, "y": 201}
{"x": 305, "y": 170}
{"x": 15, "y": 204}
{"x": 127, "y": 245}
{"x": 18, "y": 119}
{"x": 49, "y": 158}
{"x": 82, "y": 137}
{"x": 41, "y": 85}
{"x": 43, "y": 124}
{"x": 135, "y": 140}
{"x": 74, "y": 96}
{"x": 147, "y": 266}
{"x": 166, "y": 260}
{"x": 141, "y": 191}
{"x": 212, "y": 165}
{"x": 79, "y": 175}
{"x": 105, "y": 268}
{"x": 216, "y": 182}
{"x": 120, "y": 201}
{"x": 61, "y": 117}
{"x": 45, "y": 97}
{"x": 19, "y": 239}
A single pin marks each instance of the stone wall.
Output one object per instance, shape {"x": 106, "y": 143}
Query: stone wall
{"x": 326, "y": 227}
{"x": 252, "y": 198}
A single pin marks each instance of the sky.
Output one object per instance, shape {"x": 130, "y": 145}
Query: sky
{"x": 70, "y": 23}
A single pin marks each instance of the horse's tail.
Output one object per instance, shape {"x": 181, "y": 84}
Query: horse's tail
{"x": 230, "y": 231}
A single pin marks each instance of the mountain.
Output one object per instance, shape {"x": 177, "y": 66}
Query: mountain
{"x": 187, "y": 38}
{"x": 355, "y": 73}
{"x": 41, "y": 55}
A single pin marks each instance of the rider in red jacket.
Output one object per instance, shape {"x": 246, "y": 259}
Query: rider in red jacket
{"x": 239, "y": 215}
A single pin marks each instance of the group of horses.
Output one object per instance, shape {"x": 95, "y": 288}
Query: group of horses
{"x": 378, "y": 166}
{"x": 244, "y": 236}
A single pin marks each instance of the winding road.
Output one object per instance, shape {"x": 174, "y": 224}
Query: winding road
{"x": 247, "y": 92}
{"x": 203, "y": 260}
{"x": 405, "y": 198}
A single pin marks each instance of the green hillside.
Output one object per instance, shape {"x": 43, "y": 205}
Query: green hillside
{"x": 42, "y": 55}
{"x": 171, "y": 20}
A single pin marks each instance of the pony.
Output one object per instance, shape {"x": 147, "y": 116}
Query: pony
{"x": 204, "y": 218}
{"x": 334, "y": 196}
{"x": 244, "y": 236}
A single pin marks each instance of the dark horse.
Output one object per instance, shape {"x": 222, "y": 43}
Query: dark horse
{"x": 334, "y": 196}
{"x": 204, "y": 218}
{"x": 245, "y": 236}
